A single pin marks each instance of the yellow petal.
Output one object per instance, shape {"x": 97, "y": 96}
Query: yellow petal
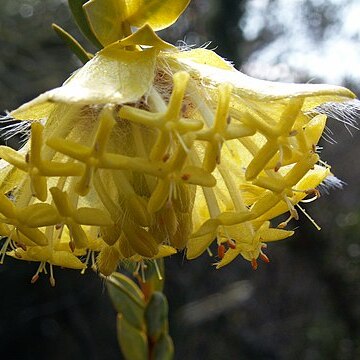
{"x": 270, "y": 235}
{"x": 159, "y": 14}
{"x": 38, "y": 215}
{"x": 246, "y": 87}
{"x": 67, "y": 260}
{"x": 113, "y": 76}
{"x": 196, "y": 246}
{"x": 146, "y": 36}
{"x": 201, "y": 56}
{"x": 106, "y": 18}
{"x": 164, "y": 250}
{"x": 91, "y": 216}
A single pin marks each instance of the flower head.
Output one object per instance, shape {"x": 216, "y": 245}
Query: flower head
{"x": 147, "y": 149}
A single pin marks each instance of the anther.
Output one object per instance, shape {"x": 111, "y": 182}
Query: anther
{"x": 284, "y": 224}
{"x": 292, "y": 210}
{"x": 183, "y": 108}
{"x": 221, "y": 251}
{"x": 313, "y": 191}
{"x": 254, "y": 264}
{"x": 21, "y": 245}
{"x": 166, "y": 157}
{"x": 218, "y": 159}
{"x": 277, "y": 166}
{"x": 293, "y": 133}
{"x": 294, "y": 214}
{"x": 264, "y": 258}
{"x": 231, "y": 243}
{"x": 185, "y": 177}
{"x": 34, "y": 279}
{"x": 51, "y": 278}
{"x": 158, "y": 272}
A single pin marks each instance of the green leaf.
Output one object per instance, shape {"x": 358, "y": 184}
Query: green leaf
{"x": 127, "y": 299}
{"x": 164, "y": 348}
{"x": 133, "y": 342}
{"x": 156, "y": 315}
{"x": 76, "y": 7}
{"x": 71, "y": 42}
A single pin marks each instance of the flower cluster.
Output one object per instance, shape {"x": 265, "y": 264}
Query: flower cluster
{"x": 147, "y": 150}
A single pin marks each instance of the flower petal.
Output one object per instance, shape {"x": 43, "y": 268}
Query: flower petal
{"x": 113, "y": 76}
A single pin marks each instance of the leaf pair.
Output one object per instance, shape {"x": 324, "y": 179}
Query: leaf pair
{"x": 142, "y": 326}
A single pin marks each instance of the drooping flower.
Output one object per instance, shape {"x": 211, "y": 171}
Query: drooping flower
{"x": 147, "y": 149}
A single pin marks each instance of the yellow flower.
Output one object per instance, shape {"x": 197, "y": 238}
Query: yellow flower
{"x": 147, "y": 149}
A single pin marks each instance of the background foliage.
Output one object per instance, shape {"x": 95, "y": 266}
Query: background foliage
{"x": 305, "y": 303}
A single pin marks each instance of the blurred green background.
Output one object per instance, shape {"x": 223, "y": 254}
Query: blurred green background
{"x": 305, "y": 303}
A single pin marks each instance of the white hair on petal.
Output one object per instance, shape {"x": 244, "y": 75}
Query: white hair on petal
{"x": 183, "y": 46}
{"x": 347, "y": 112}
{"x": 330, "y": 183}
{"x": 10, "y": 127}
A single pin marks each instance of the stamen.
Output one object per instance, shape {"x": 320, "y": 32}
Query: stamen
{"x": 292, "y": 210}
{"x": 166, "y": 157}
{"x": 208, "y": 250}
{"x": 34, "y": 279}
{"x": 137, "y": 269}
{"x": 12, "y": 245}
{"x": 86, "y": 261}
{"x": 221, "y": 251}
{"x": 170, "y": 197}
{"x": 182, "y": 143}
{"x": 309, "y": 217}
{"x": 254, "y": 264}
{"x": 310, "y": 199}
{"x": 264, "y": 258}
{"x": 38, "y": 271}
{"x": 3, "y": 249}
{"x": 142, "y": 268}
{"x": 20, "y": 245}
{"x": 285, "y": 223}
{"x": 72, "y": 243}
{"x": 158, "y": 272}
{"x": 52, "y": 279}
{"x": 313, "y": 191}
{"x": 281, "y": 158}
{"x": 93, "y": 261}
{"x": 231, "y": 243}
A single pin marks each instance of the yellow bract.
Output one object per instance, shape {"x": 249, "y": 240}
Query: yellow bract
{"x": 113, "y": 76}
{"x": 111, "y": 20}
